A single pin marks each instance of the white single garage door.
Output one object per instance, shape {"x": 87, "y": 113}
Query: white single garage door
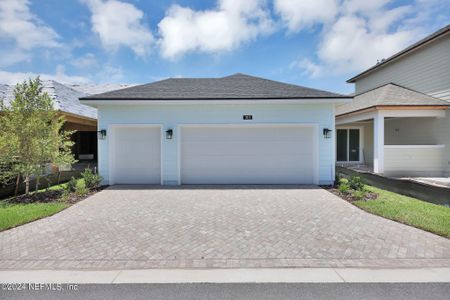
{"x": 248, "y": 155}
{"x": 136, "y": 155}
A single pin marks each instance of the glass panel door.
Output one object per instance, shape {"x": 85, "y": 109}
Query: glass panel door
{"x": 347, "y": 145}
{"x": 342, "y": 145}
{"x": 353, "y": 143}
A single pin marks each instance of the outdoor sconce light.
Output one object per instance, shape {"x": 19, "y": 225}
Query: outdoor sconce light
{"x": 169, "y": 134}
{"x": 327, "y": 133}
{"x": 101, "y": 134}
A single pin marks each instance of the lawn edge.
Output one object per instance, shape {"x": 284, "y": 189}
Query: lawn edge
{"x": 37, "y": 219}
{"x": 394, "y": 220}
{"x": 68, "y": 206}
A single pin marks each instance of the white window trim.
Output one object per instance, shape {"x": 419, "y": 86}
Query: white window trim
{"x": 361, "y": 144}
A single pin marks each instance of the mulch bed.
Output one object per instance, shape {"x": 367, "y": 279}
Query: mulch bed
{"x": 349, "y": 196}
{"x": 51, "y": 196}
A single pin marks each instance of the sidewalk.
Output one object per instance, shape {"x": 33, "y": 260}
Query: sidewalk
{"x": 343, "y": 275}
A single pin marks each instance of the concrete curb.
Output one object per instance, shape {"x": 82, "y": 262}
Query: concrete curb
{"x": 336, "y": 275}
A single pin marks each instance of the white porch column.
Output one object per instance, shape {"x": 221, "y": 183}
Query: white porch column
{"x": 378, "y": 143}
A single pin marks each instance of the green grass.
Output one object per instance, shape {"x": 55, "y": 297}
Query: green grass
{"x": 407, "y": 210}
{"x": 12, "y": 215}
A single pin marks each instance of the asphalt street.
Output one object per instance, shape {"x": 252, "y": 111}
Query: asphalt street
{"x": 317, "y": 291}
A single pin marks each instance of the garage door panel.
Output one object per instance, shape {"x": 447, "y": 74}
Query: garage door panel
{"x": 137, "y": 155}
{"x": 246, "y": 155}
{"x": 246, "y": 148}
{"x": 277, "y": 133}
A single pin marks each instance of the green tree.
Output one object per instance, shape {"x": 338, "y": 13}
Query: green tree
{"x": 31, "y": 134}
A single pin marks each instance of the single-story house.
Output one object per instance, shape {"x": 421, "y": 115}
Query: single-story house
{"x": 398, "y": 123}
{"x": 237, "y": 129}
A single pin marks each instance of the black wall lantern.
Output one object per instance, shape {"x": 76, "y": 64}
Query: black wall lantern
{"x": 327, "y": 133}
{"x": 169, "y": 134}
{"x": 101, "y": 134}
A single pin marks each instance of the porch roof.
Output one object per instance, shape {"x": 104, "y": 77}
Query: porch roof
{"x": 389, "y": 94}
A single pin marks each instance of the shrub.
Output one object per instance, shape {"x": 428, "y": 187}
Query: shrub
{"x": 344, "y": 188}
{"x": 92, "y": 180}
{"x": 343, "y": 180}
{"x": 65, "y": 195}
{"x": 80, "y": 188}
{"x": 356, "y": 183}
{"x": 71, "y": 185}
{"x": 359, "y": 195}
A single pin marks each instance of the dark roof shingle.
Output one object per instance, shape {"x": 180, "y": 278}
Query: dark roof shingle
{"x": 237, "y": 86}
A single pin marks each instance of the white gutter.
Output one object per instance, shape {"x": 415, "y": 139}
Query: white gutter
{"x": 95, "y": 103}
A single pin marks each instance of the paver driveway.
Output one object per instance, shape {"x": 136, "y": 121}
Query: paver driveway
{"x": 217, "y": 227}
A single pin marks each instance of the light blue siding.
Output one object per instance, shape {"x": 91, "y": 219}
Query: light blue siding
{"x": 170, "y": 116}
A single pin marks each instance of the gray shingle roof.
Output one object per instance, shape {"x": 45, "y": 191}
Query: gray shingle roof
{"x": 238, "y": 86}
{"x": 65, "y": 99}
{"x": 390, "y": 95}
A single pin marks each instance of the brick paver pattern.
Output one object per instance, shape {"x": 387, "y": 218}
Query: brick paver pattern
{"x": 220, "y": 227}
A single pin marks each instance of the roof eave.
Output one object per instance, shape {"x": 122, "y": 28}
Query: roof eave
{"x": 395, "y": 107}
{"x": 209, "y": 99}
{"x": 128, "y": 101}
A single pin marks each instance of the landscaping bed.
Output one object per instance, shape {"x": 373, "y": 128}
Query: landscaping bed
{"x": 27, "y": 208}
{"x": 407, "y": 210}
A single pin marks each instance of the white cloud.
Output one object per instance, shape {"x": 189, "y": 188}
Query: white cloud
{"x": 59, "y": 75}
{"x": 19, "y": 24}
{"x": 362, "y": 33}
{"x": 110, "y": 74}
{"x": 85, "y": 62}
{"x": 229, "y": 25}
{"x": 309, "y": 67}
{"x": 10, "y": 57}
{"x": 299, "y": 14}
{"x": 120, "y": 24}
{"x": 351, "y": 44}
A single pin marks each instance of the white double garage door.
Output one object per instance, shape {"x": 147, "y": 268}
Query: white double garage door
{"x": 217, "y": 154}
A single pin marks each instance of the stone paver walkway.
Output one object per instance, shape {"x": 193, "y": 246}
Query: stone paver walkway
{"x": 136, "y": 227}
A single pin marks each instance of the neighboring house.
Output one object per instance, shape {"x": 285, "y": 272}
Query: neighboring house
{"x": 398, "y": 123}
{"x": 237, "y": 129}
{"x": 79, "y": 117}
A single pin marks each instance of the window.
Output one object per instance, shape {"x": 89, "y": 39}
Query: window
{"x": 348, "y": 145}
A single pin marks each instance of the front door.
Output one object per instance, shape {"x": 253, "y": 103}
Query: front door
{"x": 348, "y": 145}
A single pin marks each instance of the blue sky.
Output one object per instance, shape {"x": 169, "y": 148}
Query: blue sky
{"x": 316, "y": 43}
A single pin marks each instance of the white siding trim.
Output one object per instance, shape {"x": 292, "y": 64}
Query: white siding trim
{"x": 355, "y": 118}
{"x": 414, "y": 161}
{"x": 413, "y": 146}
{"x": 378, "y": 143}
{"x": 436, "y": 113}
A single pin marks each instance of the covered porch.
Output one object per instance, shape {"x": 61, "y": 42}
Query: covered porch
{"x": 84, "y": 137}
{"x": 394, "y": 141}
